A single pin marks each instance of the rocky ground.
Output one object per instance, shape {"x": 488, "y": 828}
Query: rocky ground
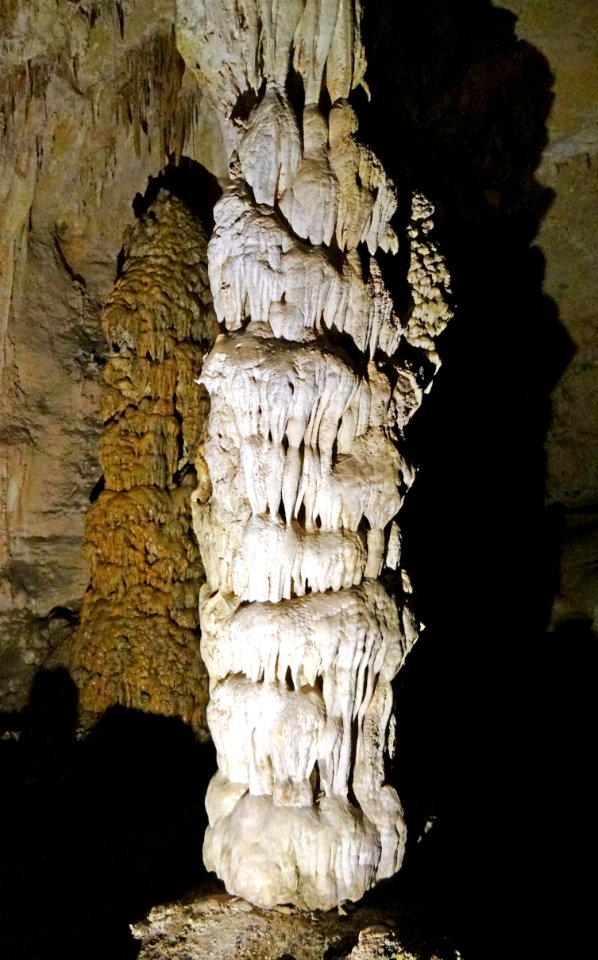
{"x": 212, "y": 925}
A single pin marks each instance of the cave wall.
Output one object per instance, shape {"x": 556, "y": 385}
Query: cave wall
{"x": 94, "y": 101}
{"x": 566, "y": 33}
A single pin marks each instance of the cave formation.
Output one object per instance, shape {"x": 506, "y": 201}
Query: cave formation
{"x": 300, "y": 474}
{"x": 311, "y": 384}
{"x": 116, "y": 103}
{"x": 137, "y": 643}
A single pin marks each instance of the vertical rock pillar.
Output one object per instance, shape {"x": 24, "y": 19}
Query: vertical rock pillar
{"x": 303, "y": 472}
{"x": 138, "y": 642}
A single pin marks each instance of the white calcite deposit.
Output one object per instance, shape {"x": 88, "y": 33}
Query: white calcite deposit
{"x": 303, "y": 471}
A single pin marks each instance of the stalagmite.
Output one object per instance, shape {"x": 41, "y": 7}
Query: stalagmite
{"x": 138, "y": 644}
{"x": 311, "y": 383}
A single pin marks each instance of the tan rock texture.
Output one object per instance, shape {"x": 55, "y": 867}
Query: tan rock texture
{"x": 93, "y": 101}
{"x": 138, "y": 642}
{"x": 209, "y": 923}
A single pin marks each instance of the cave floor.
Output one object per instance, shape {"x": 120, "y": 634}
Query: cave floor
{"x": 100, "y": 859}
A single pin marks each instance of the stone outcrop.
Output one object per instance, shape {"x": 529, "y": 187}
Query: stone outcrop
{"x": 311, "y": 386}
{"x": 138, "y": 642}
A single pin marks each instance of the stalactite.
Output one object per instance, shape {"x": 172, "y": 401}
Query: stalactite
{"x": 138, "y": 641}
{"x": 145, "y": 97}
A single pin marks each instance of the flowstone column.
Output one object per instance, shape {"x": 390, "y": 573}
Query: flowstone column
{"x": 303, "y": 470}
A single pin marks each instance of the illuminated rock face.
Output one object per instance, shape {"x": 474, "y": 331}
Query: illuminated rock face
{"x": 303, "y": 470}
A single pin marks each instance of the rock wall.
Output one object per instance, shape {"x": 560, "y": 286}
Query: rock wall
{"x": 566, "y": 33}
{"x": 93, "y": 102}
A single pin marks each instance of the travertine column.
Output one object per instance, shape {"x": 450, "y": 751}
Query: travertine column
{"x": 303, "y": 472}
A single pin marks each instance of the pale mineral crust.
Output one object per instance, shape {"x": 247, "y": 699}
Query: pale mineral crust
{"x": 303, "y": 467}
{"x": 138, "y": 642}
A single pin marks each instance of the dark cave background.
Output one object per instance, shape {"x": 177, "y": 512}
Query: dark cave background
{"x": 493, "y": 711}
